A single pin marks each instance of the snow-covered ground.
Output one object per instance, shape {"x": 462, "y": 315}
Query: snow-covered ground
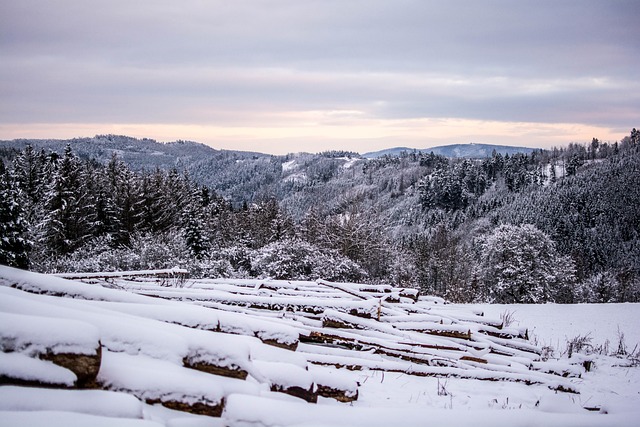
{"x": 242, "y": 350}
{"x": 555, "y": 324}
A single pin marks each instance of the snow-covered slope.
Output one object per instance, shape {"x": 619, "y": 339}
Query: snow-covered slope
{"x": 470, "y": 151}
{"x": 132, "y": 351}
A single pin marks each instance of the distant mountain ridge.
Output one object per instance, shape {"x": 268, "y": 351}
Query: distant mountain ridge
{"x": 237, "y": 175}
{"x": 145, "y": 152}
{"x": 471, "y": 150}
{"x": 138, "y": 153}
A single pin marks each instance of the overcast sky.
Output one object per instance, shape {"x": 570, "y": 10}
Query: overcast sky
{"x": 282, "y": 76}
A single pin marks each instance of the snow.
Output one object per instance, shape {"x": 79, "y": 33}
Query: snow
{"x": 334, "y": 378}
{"x": 22, "y": 367}
{"x": 166, "y": 272}
{"x": 117, "y": 333}
{"x": 481, "y": 375}
{"x": 349, "y": 162}
{"x": 52, "y": 285}
{"x": 555, "y": 324}
{"x": 299, "y": 177}
{"x": 67, "y": 419}
{"x": 191, "y": 422}
{"x": 209, "y": 319}
{"x": 38, "y": 335}
{"x": 269, "y": 353}
{"x": 287, "y": 166}
{"x": 139, "y": 375}
{"x": 267, "y": 412}
{"x": 94, "y": 402}
{"x": 128, "y": 333}
{"x": 284, "y": 374}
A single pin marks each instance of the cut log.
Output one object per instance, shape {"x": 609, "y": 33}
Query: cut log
{"x": 316, "y": 337}
{"x": 328, "y": 322}
{"x": 198, "y": 408}
{"x": 337, "y": 394}
{"x": 232, "y": 371}
{"x": 447, "y": 333}
{"x": 474, "y": 359}
{"x": 280, "y": 344}
{"x": 302, "y": 393}
{"x": 168, "y": 273}
{"x": 85, "y": 366}
{"x": 413, "y": 294}
{"x": 22, "y": 370}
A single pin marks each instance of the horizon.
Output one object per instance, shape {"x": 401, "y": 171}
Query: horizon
{"x": 275, "y": 149}
{"x": 281, "y": 76}
{"x": 361, "y": 153}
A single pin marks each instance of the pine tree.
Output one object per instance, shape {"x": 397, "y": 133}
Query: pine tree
{"x": 14, "y": 243}
{"x": 194, "y": 225}
{"x": 30, "y": 175}
{"x": 122, "y": 201}
{"x": 67, "y": 223}
{"x": 152, "y": 215}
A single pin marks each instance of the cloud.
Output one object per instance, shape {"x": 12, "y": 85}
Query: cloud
{"x": 269, "y": 65}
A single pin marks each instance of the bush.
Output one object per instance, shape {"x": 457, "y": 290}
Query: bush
{"x": 295, "y": 259}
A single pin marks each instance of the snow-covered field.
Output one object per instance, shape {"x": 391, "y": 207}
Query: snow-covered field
{"x": 555, "y": 324}
{"x": 139, "y": 352}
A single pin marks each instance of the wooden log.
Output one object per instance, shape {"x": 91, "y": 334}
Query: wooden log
{"x": 198, "y": 408}
{"x": 344, "y": 396}
{"x": 405, "y": 355}
{"x": 474, "y": 359}
{"x": 435, "y": 346}
{"x": 328, "y": 322}
{"x": 394, "y": 298}
{"x": 316, "y": 337}
{"x": 338, "y": 365}
{"x": 410, "y": 293}
{"x": 275, "y": 343}
{"x": 446, "y": 333}
{"x": 296, "y": 391}
{"x": 170, "y": 273}
{"x": 232, "y": 371}
{"x": 505, "y": 335}
{"x": 85, "y": 366}
{"x": 16, "y": 381}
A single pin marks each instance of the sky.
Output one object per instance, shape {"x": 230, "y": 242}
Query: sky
{"x": 280, "y": 76}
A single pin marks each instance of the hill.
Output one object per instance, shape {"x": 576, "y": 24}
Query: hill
{"x": 420, "y": 220}
{"x": 468, "y": 151}
{"x": 231, "y": 172}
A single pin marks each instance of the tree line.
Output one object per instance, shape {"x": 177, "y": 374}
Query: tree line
{"x": 553, "y": 225}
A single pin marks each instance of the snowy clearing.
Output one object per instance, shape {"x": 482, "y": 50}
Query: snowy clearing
{"x": 133, "y": 351}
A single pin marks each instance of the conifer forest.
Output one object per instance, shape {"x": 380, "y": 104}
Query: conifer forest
{"x": 560, "y": 225}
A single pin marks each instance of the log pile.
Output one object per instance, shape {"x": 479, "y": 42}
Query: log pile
{"x": 290, "y": 326}
{"x": 396, "y": 323}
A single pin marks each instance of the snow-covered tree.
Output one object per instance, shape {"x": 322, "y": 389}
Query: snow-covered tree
{"x": 600, "y": 288}
{"x": 444, "y": 265}
{"x": 29, "y": 175}
{"x": 521, "y": 265}
{"x": 297, "y": 259}
{"x": 14, "y": 244}
{"x": 67, "y": 223}
{"x": 194, "y": 226}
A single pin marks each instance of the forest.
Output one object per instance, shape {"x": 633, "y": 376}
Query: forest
{"x": 560, "y": 225}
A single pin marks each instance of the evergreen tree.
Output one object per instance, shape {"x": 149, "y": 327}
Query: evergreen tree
{"x": 193, "y": 226}
{"x": 14, "y": 244}
{"x": 67, "y": 222}
{"x": 123, "y": 201}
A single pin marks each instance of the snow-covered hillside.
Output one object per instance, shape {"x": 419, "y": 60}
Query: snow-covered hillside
{"x": 150, "y": 351}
